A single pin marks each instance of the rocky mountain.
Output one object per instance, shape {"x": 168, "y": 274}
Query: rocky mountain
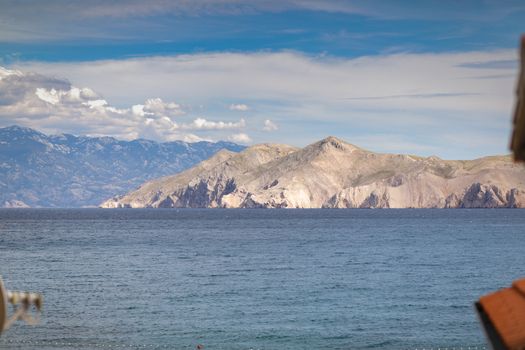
{"x": 333, "y": 174}
{"x": 38, "y": 170}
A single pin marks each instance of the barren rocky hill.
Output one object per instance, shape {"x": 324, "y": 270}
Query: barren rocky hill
{"x": 333, "y": 174}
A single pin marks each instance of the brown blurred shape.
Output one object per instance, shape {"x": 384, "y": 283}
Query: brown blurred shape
{"x": 502, "y": 314}
{"x": 517, "y": 143}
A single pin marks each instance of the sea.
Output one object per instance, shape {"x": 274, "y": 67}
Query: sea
{"x": 258, "y": 279}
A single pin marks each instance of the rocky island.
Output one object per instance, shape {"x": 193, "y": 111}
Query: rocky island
{"x": 333, "y": 174}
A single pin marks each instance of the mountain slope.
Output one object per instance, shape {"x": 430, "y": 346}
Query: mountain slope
{"x": 203, "y": 185}
{"x": 70, "y": 171}
{"x": 334, "y": 174}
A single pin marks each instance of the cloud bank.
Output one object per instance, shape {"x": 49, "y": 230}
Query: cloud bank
{"x": 55, "y": 105}
{"x": 448, "y": 80}
{"x": 417, "y": 99}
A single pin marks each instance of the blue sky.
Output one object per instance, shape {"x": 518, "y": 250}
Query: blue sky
{"x": 426, "y": 77}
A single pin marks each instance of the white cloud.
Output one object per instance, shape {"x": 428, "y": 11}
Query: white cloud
{"x": 49, "y": 96}
{"x": 72, "y": 95}
{"x": 193, "y": 138}
{"x": 159, "y": 107}
{"x": 240, "y": 138}
{"x": 4, "y": 72}
{"x": 239, "y": 107}
{"x": 269, "y": 125}
{"x": 201, "y": 123}
{"x": 54, "y": 105}
{"x": 96, "y": 103}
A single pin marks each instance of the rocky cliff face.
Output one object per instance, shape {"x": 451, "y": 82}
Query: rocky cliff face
{"x": 333, "y": 174}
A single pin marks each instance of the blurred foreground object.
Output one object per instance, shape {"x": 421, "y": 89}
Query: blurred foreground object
{"x": 502, "y": 315}
{"x": 517, "y": 143}
{"x": 23, "y": 303}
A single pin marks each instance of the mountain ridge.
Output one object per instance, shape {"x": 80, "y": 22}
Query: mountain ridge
{"x": 65, "y": 170}
{"x": 332, "y": 173}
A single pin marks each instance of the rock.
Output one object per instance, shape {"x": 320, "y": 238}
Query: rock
{"x": 483, "y": 196}
{"x": 516, "y": 198}
{"x": 76, "y": 171}
{"x": 334, "y": 174}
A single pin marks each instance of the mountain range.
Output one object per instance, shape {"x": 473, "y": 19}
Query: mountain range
{"x": 39, "y": 170}
{"x": 333, "y": 174}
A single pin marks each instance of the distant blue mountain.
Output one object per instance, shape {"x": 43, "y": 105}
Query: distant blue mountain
{"x": 41, "y": 170}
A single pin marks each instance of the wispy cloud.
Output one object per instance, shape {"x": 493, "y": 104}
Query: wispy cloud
{"x": 138, "y": 8}
{"x": 269, "y": 125}
{"x": 203, "y": 124}
{"x": 494, "y": 76}
{"x": 491, "y": 64}
{"x": 56, "y": 20}
{"x": 239, "y": 107}
{"x": 409, "y": 96}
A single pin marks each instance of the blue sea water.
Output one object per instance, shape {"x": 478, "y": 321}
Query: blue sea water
{"x": 257, "y": 279}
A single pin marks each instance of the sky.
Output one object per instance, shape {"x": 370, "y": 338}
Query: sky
{"x": 425, "y": 77}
